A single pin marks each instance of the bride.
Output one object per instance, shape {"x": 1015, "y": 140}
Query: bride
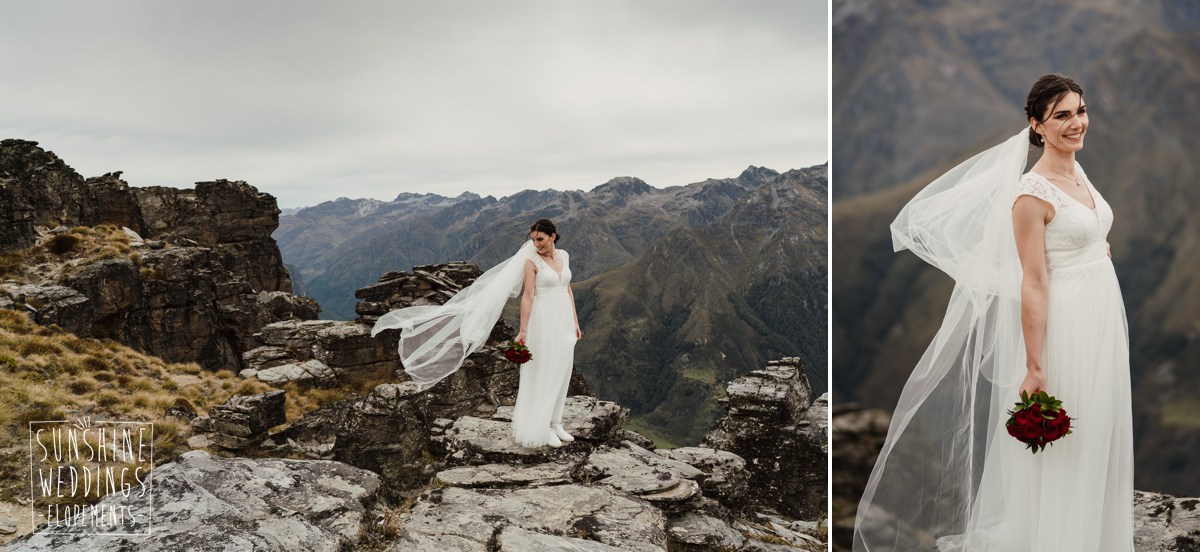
{"x": 547, "y": 316}
{"x": 435, "y": 340}
{"x": 1036, "y": 306}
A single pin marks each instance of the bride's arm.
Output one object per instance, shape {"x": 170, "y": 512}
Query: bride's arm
{"x": 529, "y": 290}
{"x": 1030, "y": 216}
{"x": 578, "y": 333}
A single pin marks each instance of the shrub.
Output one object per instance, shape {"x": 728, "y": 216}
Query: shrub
{"x": 61, "y": 244}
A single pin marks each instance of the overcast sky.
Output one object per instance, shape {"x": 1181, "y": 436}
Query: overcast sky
{"x": 311, "y": 101}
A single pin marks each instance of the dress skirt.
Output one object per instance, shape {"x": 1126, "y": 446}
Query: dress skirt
{"x": 1076, "y": 494}
{"x": 550, "y": 336}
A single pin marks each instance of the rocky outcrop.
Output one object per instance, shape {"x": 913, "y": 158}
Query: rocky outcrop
{"x": 182, "y": 304}
{"x": 203, "y": 277}
{"x": 242, "y": 420}
{"x": 1165, "y": 523}
{"x": 426, "y": 285}
{"x": 231, "y": 217}
{"x": 46, "y": 305}
{"x": 597, "y": 493}
{"x": 784, "y": 439}
{"x": 36, "y": 187}
{"x": 205, "y": 502}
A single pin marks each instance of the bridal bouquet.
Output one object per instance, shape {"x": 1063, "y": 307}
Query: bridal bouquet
{"x": 517, "y": 352}
{"x": 1038, "y": 420}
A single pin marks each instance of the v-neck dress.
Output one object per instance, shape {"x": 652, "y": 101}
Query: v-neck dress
{"x": 1077, "y": 494}
{"x": 550, "y": 336}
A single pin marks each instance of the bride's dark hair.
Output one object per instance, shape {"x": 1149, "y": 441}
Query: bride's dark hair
{"x": 1046, "y": 92}
{"x": 546, "y": 227}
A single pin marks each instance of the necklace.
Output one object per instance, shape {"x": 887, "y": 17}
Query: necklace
{"x": 1074, "y": 177}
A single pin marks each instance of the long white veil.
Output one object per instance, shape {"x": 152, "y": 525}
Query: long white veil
{"x": 436, "y": 339}
{"x": 924, "y": 483}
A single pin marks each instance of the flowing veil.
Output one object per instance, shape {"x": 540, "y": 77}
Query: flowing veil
{"x": 436, "y": 339}
{"x": 925, "y": 483}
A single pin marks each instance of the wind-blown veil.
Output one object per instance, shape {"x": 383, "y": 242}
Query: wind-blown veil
{"x": 436, "y": 339}
{"x": 924, "y": 484}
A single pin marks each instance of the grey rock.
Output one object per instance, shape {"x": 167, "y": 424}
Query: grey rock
{"x": 700, "y": 532}
{"x": 386, "y": 432}
{"x": 668, "y": 483}
{"x": 593, "y": 513}
{"x": 516, "y": 539}
{"x": 506, "y": 475}
{"x": 265, "y": 357}
{"x": 584, "y": 417}
{"x": 474, "y": 440}
{"x": 243, "y": 419}
{"x": 724, "y": 473}
{"x": 310, "y": 372}
{"x": 1165, "y": 523}
{"x": 7, "y": 526}
{"x": 205, "y": 502}
{"x": 782, "y": 438}
{"x": 59, "y": 305}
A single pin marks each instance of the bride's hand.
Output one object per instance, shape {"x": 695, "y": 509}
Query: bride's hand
{"x": 520, "y": 337}
{"x": 578, "y": 333}
{"x": 1033, "y": 382}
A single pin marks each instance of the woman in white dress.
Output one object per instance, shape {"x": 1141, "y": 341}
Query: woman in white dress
{"x": 1036, "y": 306}
{"x": 436, "y": 339}
{"x": 550, "y": 328}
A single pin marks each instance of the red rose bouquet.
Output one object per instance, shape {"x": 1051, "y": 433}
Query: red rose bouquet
{"x": 517, "y": 352}
{"x": 1038, "y": 420}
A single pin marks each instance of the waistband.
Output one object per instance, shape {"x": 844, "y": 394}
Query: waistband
{"x": 1082, "y": 257}
{"x": 551, "y": 291}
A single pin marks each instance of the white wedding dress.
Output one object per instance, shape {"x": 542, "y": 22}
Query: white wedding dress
{"x": 1077, "y": 494}
{"x": 550, "y": 336}
{"x": 948, "y": 476}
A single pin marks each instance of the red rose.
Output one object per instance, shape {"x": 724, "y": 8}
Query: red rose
{"x": 1031, "y": 433}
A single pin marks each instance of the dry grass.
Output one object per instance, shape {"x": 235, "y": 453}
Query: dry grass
{"x": 46, "y": 374}
{"x": 58, "y": 254}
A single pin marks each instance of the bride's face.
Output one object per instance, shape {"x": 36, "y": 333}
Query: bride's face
{"x": 1066, "y": 123}
{"x": 542, "y": 241}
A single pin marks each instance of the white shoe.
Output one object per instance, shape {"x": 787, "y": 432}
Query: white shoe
{"x": 553, "y": 441}
{"x": 562, "y": 433}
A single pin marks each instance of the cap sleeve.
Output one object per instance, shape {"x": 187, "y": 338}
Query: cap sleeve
{"x": 1036, "y": 186}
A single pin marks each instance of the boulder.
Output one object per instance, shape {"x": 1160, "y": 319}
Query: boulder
{"x": 783, "y": 439}
{"x": 243, "y": 419}
{"x": 479, "y": 515}
{"x": 386, "y": 432}
{"x": 699, "y": 533}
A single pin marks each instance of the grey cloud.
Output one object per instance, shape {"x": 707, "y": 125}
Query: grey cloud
{"x": 314, "y": 100}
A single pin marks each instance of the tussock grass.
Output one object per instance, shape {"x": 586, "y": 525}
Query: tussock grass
{"x": 58, "y": 254}
{"x": 46, "y": 374}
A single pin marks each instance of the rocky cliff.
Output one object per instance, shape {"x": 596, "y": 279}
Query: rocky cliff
{"x": 195, "y": 275}
{"x": 399, "y": 470}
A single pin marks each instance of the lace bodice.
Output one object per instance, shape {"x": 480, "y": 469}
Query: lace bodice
{"x": 1077, "y": 234}
{"x": 548, "y": 280}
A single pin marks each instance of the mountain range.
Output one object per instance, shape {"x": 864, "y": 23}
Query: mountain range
{"x": 924, "y": 85}
{"x": 678, "y": 289}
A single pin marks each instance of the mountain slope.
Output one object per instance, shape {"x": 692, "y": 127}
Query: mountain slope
{"x": 703, "y": 306}
{"x": 680, "y": 289}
